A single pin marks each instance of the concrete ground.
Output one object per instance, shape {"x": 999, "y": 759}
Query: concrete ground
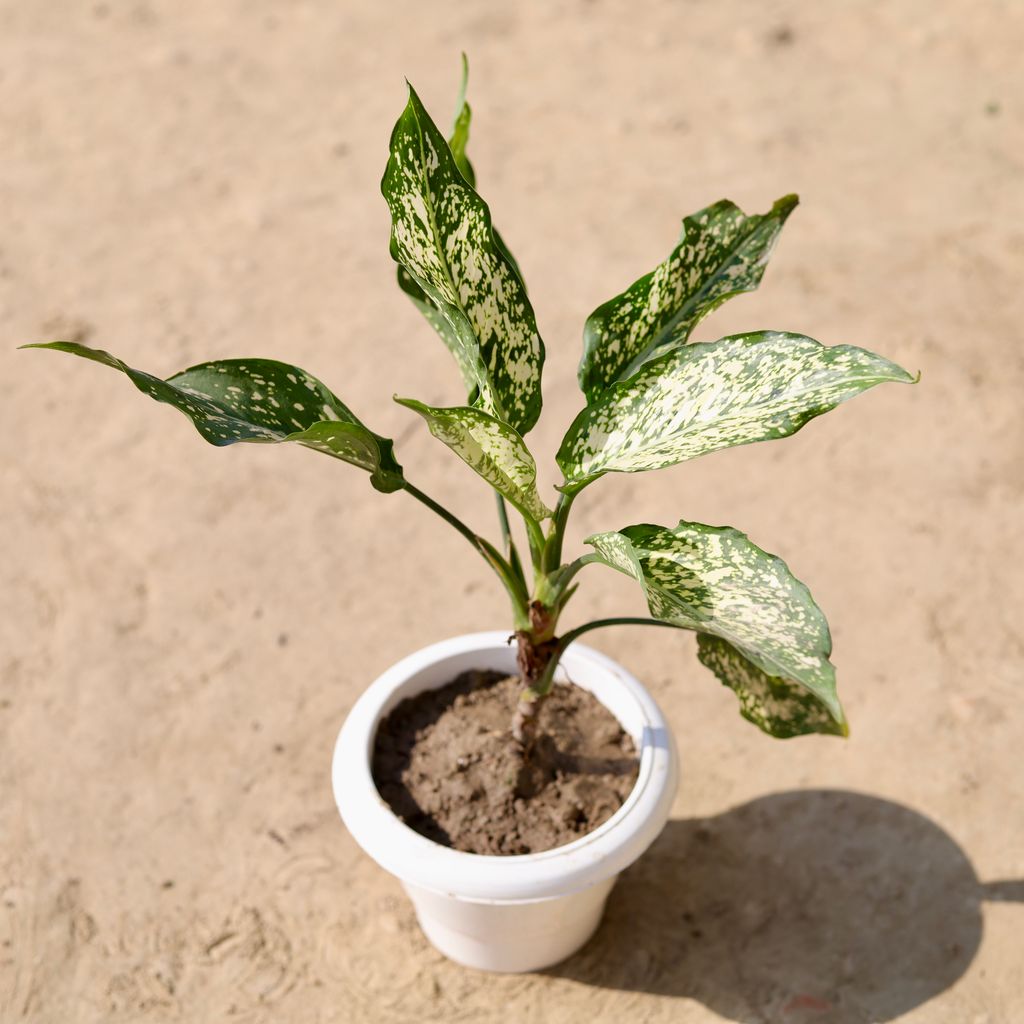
{"x": 182, "y": 629}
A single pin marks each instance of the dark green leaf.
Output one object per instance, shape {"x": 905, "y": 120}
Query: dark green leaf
{"x": 262, "y": 401}
{"x": 457, "y": 143}
{"x": 775, "y": 705}
{"x": 722, "y": 252}
{"x": 442, "y": 235}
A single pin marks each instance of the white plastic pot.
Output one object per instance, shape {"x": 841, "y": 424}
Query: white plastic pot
{"x": 519, "y": 913}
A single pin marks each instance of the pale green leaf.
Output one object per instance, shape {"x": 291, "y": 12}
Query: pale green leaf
{"x": 262, "y": 401}
{"x": 715, "y": 581}
{"x": 700, "y": 398}
{"x": 460, "y": 128}
{"x": 489, "y": 447}
{"x": 722, "y": 252}
{"x": 442, "y": 235}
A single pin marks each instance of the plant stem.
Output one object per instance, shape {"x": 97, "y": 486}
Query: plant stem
{"x": 553, "y": 548}
{"x": 510, "y": 545}
{"x": 537, "y": 664}
{"x": 544, "y": 684}
{"x": 565, "y": 574}
{"x": 506, "y": 530}
{"x": 532, "y": 657}
{"x": 537, "y": 542}
{"x": 516, "y": 589}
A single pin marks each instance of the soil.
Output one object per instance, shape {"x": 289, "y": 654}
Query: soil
{"x": 446, "y": 763}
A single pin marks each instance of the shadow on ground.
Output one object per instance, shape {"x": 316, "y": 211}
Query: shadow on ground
{"x": 818, "y": 905}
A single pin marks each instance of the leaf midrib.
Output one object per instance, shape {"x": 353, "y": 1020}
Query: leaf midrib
{"x": 512, "y": 485}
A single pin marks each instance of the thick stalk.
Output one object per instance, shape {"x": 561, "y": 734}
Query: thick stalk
{"x": 538, "y": 644}
{"x": 538, "y": 659}
{"x": 536, "y": 647}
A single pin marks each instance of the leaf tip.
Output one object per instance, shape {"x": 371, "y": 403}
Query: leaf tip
{"x": 409, "y": 403}
{"x": 56, "y": 346}
{"x": 905, "y": 376}
{"x": 786, "y": 205}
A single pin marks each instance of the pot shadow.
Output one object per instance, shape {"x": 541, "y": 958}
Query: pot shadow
{"x": 818, "y": 905}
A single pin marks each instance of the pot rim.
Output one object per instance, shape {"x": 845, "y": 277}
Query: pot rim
{"x": 489, "y": 878}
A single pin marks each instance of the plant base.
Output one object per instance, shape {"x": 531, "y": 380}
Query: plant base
{"x": 513, "y": 913}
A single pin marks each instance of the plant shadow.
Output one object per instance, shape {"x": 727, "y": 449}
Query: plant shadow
{"x": 818, "y": 905}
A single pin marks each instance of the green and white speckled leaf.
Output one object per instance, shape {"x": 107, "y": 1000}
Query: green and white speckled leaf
{"x": 464, "y": 358}
{"x": 775, "y": 705}
{"x": 422, "y": 301}
{"x": 489, "y": 447}
{"x": 262, "y": 401}
{"x": 700, "y": 398}
{"x": 442, "y": 235}
{"x": 772, "y": 641}
{"x": 722, "y": 252}
{"x": 457, "y": 143}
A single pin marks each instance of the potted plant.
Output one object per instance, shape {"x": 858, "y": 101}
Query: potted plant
{"x": 652, "y": 399}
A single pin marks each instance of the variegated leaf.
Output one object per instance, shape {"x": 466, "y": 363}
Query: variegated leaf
{"x": 422, "y": 301}
{"x": 442, "y": 235}
{"x": 491, "y": 448}
{"x": 262, "y": 401}
{"x": 722, "y": 252}
{"x": 464, "y": 356}
{"x": 700, "y": 398}
{"x": 457, "y": 143}
{"x": 775, "y": 705}
{"x": 715, "y": 581}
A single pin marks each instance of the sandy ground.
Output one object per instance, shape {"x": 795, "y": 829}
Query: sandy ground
{"x": 183, "y": 629}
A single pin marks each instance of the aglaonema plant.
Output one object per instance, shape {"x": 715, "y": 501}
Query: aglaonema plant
{"x": 653, "y": 399}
